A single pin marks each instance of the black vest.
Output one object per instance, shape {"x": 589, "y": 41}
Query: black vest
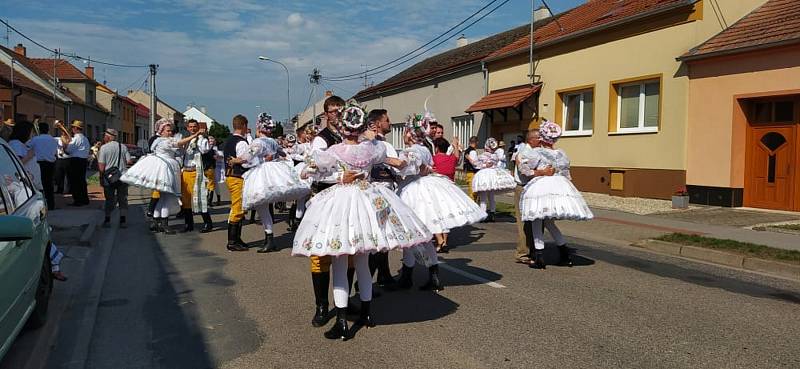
{"x": 330, "y": 137}
{"x": 468, "y": 167}
{"x": 236, "y": 170}
{"x": 208, "y": 159}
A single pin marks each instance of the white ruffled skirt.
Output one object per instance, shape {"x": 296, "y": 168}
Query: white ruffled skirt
{"x": 553, "y": 197}
{"x": 440, "y": 204}
{"x": 493, "y": 179}
{"x": 155, "y": 172}
{"x": 355, "y": 218}
{"x": 270, "y": 182}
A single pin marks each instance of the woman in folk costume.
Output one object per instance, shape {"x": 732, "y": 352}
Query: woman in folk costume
{"x": 299, "y": 153}
{"x": 219, "y": 167}
{"x": 270, "y": 179}
{"x": 435, "y": 199}
{"x": 490, "y": 179}
{"x": 548, "y": 198}
{"x": 354, "y": 217}
{"x": 160, "y": 171}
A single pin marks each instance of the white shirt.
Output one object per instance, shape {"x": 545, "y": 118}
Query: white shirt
{"x": 189, "y": 151}
{"x": 520, "y": 148}
{"x": 473, "y": 157}
{"x": 319, "y": 143}
{"x": 45, "y": 147}
{"x": 242, "y": 148}
{"x": 61, "y": 154}
{"x": 79, "y": 146}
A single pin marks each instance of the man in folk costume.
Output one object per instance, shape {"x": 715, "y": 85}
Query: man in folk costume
{"x": 321, "y": 265}
{"x": 194, "y": 184}
{"x": 236, "y": 147}
{"x": 378, "y": 122}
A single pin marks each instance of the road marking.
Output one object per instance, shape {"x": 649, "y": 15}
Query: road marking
{"x": 470, "y": 275}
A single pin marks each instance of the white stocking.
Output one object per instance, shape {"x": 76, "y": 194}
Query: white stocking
{"x": 484, "y": 197}
{"x": 492, "y": 206}
{"x": 555, "y": 232}
{"x": 266, "y": 218}
{"x": 301, "y": 208}
{"x": 341, "y": 290}
{"x": 538, "y": 234}
{"x": 364, "y": 277}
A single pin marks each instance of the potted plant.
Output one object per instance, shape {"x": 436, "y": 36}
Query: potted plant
{"x": 680, "y": 199}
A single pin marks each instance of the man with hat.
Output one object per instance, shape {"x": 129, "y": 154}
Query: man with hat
{"x": 113, "y": 155}
{"x": 77, "y": 146}
{"x": 46, "y": 149}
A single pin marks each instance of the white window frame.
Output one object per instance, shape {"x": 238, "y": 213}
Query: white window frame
{"x": 462, "y": 128}
{"x": 580, "y": 131}
{"x": 641, "y": 128}
{"x": 397, "y": 135}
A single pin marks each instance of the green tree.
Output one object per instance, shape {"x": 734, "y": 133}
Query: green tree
{"x": 278, "y": 131}
{"x": 219, "y": 131}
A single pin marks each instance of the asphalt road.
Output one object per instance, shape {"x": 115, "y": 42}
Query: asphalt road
{"x": 183, "y": 301}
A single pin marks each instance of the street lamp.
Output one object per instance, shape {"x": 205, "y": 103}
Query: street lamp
{"x": 288, "y": 83}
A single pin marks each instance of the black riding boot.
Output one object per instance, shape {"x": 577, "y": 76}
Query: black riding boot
{"x": 538, "y": 260}
{"x": 233, "y": 238}
{"x": 208, "y": 225}
{"x": 188, "y": 220}
{"x": 210, "y": 198}
{"x": 151, "y": 207}
{"x": 321, "y": 282}
{"x": 566, "y": 256}
{"x": 405, "y": 281}
{"x": 384, "y": 272}
{"x": 165, "y": 226}
{"x": 433, "y": 284}
{"x": 365, "y": 318}
{"x": 490, "y": 217}
{"x": 339, "y": 329}
{"x": 268, "y": 245}
{"x": 155, "y": 227}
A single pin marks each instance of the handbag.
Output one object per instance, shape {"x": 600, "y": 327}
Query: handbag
{"x": 112, "y": 175}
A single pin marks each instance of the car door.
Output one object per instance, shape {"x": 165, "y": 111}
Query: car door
{"x": 20, "y": 261}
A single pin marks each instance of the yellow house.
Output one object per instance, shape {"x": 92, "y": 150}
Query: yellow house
{"x": 607, "y": 72}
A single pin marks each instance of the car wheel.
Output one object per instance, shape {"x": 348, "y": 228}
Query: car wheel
{"x": 43, "y": 291}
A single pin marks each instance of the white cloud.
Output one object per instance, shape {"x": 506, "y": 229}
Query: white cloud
{"x": 294, "y": 20}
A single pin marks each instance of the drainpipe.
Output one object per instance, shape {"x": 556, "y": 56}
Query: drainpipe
{"x": 485, "y": 92}
{"x": 14, "y": 97}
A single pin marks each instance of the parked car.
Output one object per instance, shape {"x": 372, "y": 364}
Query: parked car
{"x": 26, "y": 281}
{"x": 135, "y": 151}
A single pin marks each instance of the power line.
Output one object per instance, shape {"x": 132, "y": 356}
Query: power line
{"x": 359, "y": 76}
{"x": 136, "y": 81}
{"x": 423, "y": 46}
{"x": 75, "y": 56}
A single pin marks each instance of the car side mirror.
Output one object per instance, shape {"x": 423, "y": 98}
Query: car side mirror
{"x": 15, "y": 228}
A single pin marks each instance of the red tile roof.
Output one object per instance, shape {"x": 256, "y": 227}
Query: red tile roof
{"x": 64, "y": 69}
{"x": 777, "y": 22}
{"x": 451, "y": 60}
{"x": 20, "y": 80}
{"x": 594, "y": 14}
{"x": 505, "y": 98}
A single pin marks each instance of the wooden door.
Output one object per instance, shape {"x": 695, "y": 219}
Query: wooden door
{"x": 770, "y": 167}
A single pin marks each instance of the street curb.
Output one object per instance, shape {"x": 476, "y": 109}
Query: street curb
{"x": 730, "y": 259}
{"x": 87, "y": 234}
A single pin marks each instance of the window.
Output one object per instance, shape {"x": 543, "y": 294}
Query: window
{"x": 638, "y": 106}
{"x": 397, "y": 135}
{"x": 462, "y": 128}
{"x": 577, "y": 112}
{"x": 14, "y": 180}
{"x": 773, "y": 111}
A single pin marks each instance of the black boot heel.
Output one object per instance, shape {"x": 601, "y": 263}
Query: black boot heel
{"x": 339, "y": 329}
{"x": 566, "y": 256}
{"x": 365, "y": 318}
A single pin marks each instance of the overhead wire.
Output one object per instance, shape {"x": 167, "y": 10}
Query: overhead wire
{"x": 75, "y": 56}
{"x": 362, "y": 75}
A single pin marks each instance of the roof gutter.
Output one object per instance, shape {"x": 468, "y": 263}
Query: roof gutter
{"x": 599, "y": 28}
{"x": 689, "y": 58}
{"x": 406, "y": 84}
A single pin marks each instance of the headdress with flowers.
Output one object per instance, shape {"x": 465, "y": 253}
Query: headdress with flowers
{"x": 291, "y": 138}
{"x": 163, "y": 123}
{"x": 549, "y": 132}
{"x": 265, "y": 122}
{"x": 491, "y": 144}
{"x": 418, "y": 125}
{"x": 354, "y": 119}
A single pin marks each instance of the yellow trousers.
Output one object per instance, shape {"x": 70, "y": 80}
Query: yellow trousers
{"x": 322, "y": 264}
{"x": 468, "y": 177}
{"x": 235, "y": 187}
{"x": 155, "y": 195}
{"x": 187, "y": 188}
{"x": 209, "y": 173}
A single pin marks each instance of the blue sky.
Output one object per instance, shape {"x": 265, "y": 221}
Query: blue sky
{"x": 207, "y": 49}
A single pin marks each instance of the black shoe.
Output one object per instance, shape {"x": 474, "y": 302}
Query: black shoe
{"x": 188, "y": 221}
{"x": 490, "y": 217}
{"x": 321, "y": 283}
{"x": 154, "y": 225}
{"x": 239, "y": 235}
{"x": 365, "y": 318}
{"x": 538, "y": 260}
{"x": 106, "y": 222}
{"x": 405, "y": 281}
{"x": 268, "y": 246}
{"x": 339, "y": 329}
{"x": 233, "y": 242}
{"x": 433, "y": 284}
{"x": 208, "y": 225}
{"x": 218, "y": 201}
{"x": 151, "y": 207}
{"x": 123, "y": 222}
{"x": 566, "y": 256}
{"x": 165, "y": 226}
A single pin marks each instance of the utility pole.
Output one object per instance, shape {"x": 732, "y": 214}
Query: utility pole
{"x": 313, "y": 78}
{"x": 55, "y": 80}
{"x": 366, "y": 67}
{"x": 153, "y": 70}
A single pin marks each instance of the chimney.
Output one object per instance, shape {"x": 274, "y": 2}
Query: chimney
{"x": 328, "y": 94}
{"x": 90, "y": 71}
{"x": 20, "y": 50}
{"x": 462, "y": 41}
{"x": 541, "y": 13}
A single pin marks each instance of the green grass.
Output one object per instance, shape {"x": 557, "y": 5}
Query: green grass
{"x": 744, "y": 248}
{"x": 94, "y": 179}
{"x": 791, "y": 227}
{"x": 503, "y": 207}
